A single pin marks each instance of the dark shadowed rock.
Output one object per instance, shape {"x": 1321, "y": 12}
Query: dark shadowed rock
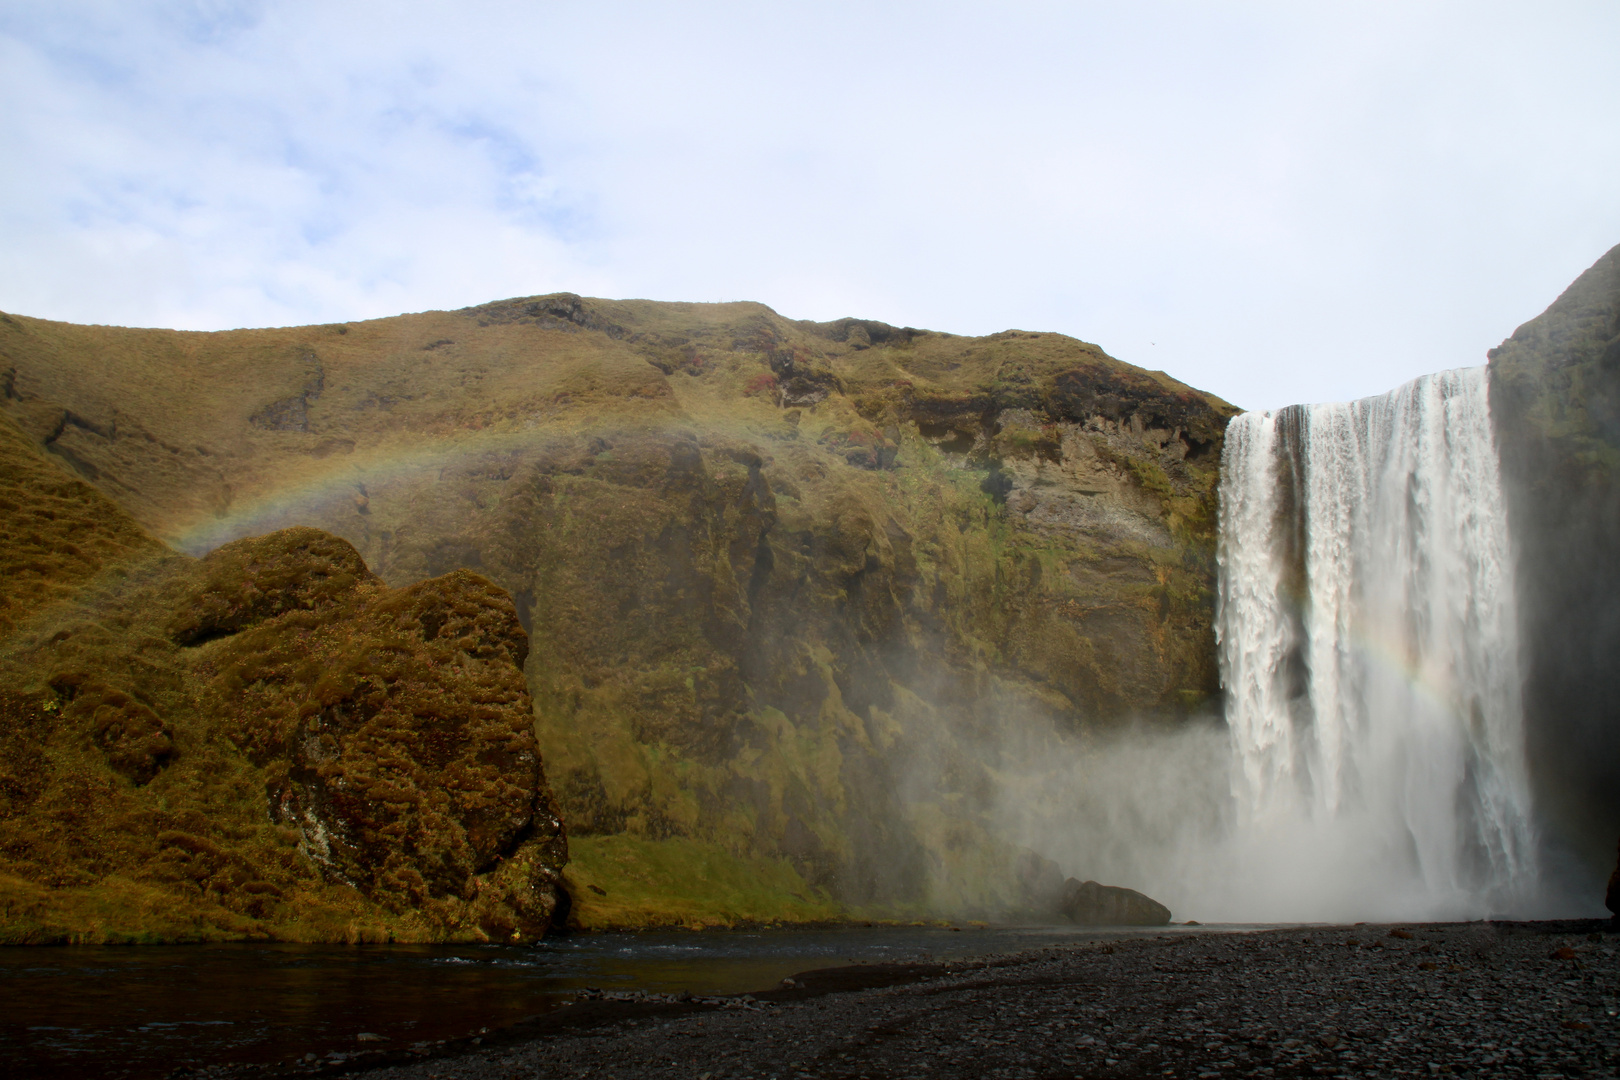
{"x": 1555, "y": 404}
{"x": 1611, "y": 899}
{"x": 1091, "y": 904}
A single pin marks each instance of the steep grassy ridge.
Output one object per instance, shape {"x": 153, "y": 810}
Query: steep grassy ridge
{"x": 802, "y": 597}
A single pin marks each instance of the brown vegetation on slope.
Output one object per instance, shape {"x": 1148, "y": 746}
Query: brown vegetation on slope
{"x": 56, "y": 532}
{"x": 796, "y": 591}
{"x": 266, "y": 743}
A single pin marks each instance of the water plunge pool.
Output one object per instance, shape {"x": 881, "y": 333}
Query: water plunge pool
{"x": 145, "y": 1011}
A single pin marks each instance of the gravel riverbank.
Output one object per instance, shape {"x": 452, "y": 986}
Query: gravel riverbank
{"x": 1484, "y": 999}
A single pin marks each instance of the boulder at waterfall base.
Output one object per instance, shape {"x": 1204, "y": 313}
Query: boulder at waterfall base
{"x": 1091, "y": 904}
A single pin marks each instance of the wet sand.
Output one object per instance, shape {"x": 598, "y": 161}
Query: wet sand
{"x": 1481, "y": 999}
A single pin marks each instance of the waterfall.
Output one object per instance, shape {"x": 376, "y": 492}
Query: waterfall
{"x": 1368, "y": 647}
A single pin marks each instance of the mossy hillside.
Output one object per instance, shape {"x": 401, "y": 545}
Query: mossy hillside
{"x": 629, "y": 882}
{"x": 57, "y": 534}
{"x": 789, "y": 585}
{"x": 159, "y": 776}
{"x": 764, "y": 712}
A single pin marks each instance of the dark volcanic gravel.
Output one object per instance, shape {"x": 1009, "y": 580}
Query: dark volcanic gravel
{"x": 1485, "y": 999}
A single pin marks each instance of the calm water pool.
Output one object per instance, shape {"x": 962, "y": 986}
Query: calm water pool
{"x": 141, "y": 1012}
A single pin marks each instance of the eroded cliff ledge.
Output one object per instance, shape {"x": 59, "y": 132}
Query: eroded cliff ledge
{"x": 794, "y": 590}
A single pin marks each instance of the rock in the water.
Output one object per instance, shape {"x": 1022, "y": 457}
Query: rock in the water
{"x": 1091, "y": 904}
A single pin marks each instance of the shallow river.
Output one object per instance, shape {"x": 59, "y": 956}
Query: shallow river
{"x": 144, "y": 1011}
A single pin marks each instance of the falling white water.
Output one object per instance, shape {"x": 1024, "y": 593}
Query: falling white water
{"x": 1368, "y": 648}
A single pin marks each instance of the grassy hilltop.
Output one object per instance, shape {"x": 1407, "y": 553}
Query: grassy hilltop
{"x": 797, "y": 595}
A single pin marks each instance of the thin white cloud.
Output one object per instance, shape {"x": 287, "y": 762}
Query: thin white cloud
{"x": 1273, "y": 201}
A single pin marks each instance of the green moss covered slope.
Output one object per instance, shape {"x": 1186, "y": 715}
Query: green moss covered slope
{"x": 798, "y": 594}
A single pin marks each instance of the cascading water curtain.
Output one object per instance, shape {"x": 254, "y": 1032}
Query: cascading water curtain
{"x": 1369, "y": 651}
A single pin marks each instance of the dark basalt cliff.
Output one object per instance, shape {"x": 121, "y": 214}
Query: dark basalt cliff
{"x": 795, "y": 591}
{"x": 266, "y": 743}
{"x": 1555, "y": 399}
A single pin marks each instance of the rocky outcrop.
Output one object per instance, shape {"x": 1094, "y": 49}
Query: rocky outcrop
{"x": 1555, "y": 401}
{"x": 393, "y": 726}
{"x": 1046, "y": 893}
{"x": 1091, "y": 904}
{"x": 797, "y": 593}
{"x": 269, "y": 742}
{"x": 1611, "y": 898}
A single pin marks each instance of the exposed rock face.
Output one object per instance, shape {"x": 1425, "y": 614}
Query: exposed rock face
{"x": 1091, "y": 904}
{"x": 793, "y": 589}
{"x": 1611, "y": 898}
{"x": 269, "y": 742}
{"x": 1555, "y": 400}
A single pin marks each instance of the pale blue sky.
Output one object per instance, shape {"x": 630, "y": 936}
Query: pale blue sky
{"x": 1272, "y": 201}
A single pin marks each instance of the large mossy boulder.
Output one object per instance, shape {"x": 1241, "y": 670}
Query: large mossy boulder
{"x": 394, "y": 725}
{"x": 269, "y": 742}
{"x": 1555, "y": 402}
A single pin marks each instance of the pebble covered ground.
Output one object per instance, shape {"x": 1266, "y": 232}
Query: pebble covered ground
{"x": 1476, "y": 999}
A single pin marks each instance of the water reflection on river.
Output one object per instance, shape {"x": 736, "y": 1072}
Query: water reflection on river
{"x": 145, "y": 1011}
